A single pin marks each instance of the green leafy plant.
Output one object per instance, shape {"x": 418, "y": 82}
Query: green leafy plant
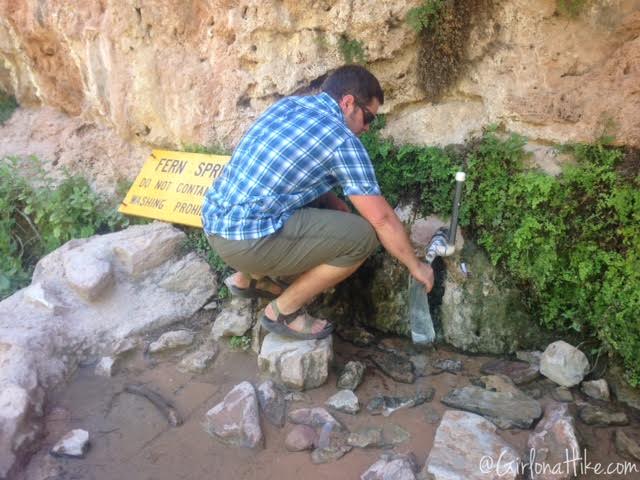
{"x": 8, "y": 105}
{"x": 208, "y": 149}
{"x": 352, "y": 50}
{"x": 426, "y": 16}
{"x": 571, "y": 8}
{"x": 39, "y": 215}
{"x": 240, "y": 342}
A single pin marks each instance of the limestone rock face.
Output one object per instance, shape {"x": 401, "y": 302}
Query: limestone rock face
{"x": 116, "y": 63}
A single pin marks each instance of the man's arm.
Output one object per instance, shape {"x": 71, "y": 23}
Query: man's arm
{"x": 392, "y": 235}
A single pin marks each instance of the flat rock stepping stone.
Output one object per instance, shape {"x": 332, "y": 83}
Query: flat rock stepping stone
{"x": 393, "y": 434}
{"x": 564, "y": 364}
{"x": 273, "y": 403}
{"x": 448, "y": 365}
{"x": 597, "y": 389}
{"x": 395, "y": 366}
{"x": 172, "y": 340}
{"x": 562, "y": 394}
{"x": 235, "y": 421}
{"x": 553, "y": 442}
{"x": 386, "y": 405}
{"x": 301, "y": 437}
{"x": 366, "y": 437}
{"x": 392, "y": 467}
{"x": 506, "y": 410}
{"x": 626, "y": 446}
{"x": 297, "y": 364}
{"x": 344, "y": 401}
{"x": 199, "y": 361}
{"x": 235, "y": 320}
{"x": 74, "y": 444}
{"x": 600, "y": 417}
{"x": 467, "y": 447}
{"x": 313, "y": 417}
{"x": 329, "y": 454}
{"x": 519, "y": 372}
{"x": 351, "y": 376}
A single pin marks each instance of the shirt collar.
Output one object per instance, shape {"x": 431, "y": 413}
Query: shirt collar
{"x": 330, "y": 106}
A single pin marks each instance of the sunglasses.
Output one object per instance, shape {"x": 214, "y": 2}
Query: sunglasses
{"x": 367, "y": 115}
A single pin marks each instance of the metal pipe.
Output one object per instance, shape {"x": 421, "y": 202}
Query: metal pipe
{"x": 460, "y": 178}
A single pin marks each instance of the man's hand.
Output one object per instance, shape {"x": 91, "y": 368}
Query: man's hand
{"x": 424, "y": 274}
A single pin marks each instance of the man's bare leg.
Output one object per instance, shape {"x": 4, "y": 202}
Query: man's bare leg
{"x": 307, "y": 286}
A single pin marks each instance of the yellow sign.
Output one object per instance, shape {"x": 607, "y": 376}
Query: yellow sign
{"x": 171, "y": 186}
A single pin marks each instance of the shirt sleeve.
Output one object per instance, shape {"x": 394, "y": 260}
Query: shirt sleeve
{"x": 353, "y": 169}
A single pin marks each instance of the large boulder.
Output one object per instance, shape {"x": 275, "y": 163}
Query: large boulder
{"x": 84, "y": 299}
{"x": 297, "y": 364}
{"x": 564, "y": 364}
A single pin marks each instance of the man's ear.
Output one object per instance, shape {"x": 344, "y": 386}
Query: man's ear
{"x": 347, "y": 102}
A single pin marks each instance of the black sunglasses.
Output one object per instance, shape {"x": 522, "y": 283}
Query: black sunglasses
{"x": 367, "y": 115}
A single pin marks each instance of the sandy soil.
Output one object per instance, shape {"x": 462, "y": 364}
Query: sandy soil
{"x": 130, "y": 439}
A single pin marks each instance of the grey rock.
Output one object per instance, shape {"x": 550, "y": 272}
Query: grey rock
{"x": 386, "y": 405}
{"x": 235, "y": 421}
{"x": 351, "y": 376}
{"x": 344, "y": 401}
{"x": 598, "y": 389}
{"x": 199, "y": 361}
{"x": 395, "y": 366}
{"x": 532, "y": 357}
{"x": 622, "y": 391}
{"x": 626, "y": 446}
{"x": 300, "y": 438}
{"x": 88, "y": 275}
{"x": 172, "y": 340}
{"x": 553, "y": 442}
{"x": 105, "y": 367}
{"x": 366, "y": 437}
{"x": 258, "y": 333}
{"x": 519, "y": 372}
{"x": 329, "y": 454}
{"x": 356, "y": 335}
{"x": 562, "y": 394}
{"x": 37, "y": 295}
{"x": 124, "y": 346}
{"x": 298, "y": 397}
{"x": 420, "y": 364}
{"x": 272, "y": 402}
{"x": 506, "y": 410}
{"x": 564, "y": 364}
{"x": 211, "y": 305}
{"x": 235, "y": 320}
{"x": 448, "y": 365}
{"x": 600, "y": 417}
{"x": 73, "y": 444}
{"x": 431, "y": 415}
{"x": 393, "y": 434}
{"x": 462, "y": 441}
{"x": 297, "y": 364}
{"x": 313, "y": 417}
{"x": 497, "y": 383}
{"x": 392, "y": 467}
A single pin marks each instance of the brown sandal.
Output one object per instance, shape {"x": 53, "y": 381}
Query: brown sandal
{"x": 251, "y": 291}
{"x": 280, "y": 326}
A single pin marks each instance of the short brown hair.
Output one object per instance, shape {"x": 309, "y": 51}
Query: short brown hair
{"x": 353, "y": 80}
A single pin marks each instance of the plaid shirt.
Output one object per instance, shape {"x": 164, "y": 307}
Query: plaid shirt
{"x": 299, "y": 149}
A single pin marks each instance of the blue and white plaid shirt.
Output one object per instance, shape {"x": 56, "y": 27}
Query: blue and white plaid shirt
{"x": 299, "y": 149}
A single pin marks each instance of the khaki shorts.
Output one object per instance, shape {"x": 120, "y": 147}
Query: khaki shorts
{"x": 311, "y": 237}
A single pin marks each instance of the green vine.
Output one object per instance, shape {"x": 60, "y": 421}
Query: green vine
{"x": 352, "y": 50}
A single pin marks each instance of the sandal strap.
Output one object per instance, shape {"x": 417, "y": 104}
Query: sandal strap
{"x": 285, "y": 318}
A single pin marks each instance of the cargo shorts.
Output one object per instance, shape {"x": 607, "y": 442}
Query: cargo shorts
{"x": 310, "y": 237}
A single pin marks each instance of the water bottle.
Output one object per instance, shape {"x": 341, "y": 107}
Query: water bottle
{"x": 422, "y": 331}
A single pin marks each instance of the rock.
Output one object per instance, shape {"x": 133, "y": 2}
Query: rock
{"x": 498, "y": 383}
{"x": 448, "y": 365}
{"x": 519, "y": 372}
{"x": 172, "y": 340}
{"x": 392, "y": 467}
{"x": 235, "y": 320}
{"x": 530, "y": 357}
{"x": 73, "y": 444}
{"x": 105, "y": 367}
{"x": 393, "y": 434}
{"x": 464, "y": 440}
{"x": 597, "y": 389}
{"x": 313, "y": 417}
{"x": 431, "y": 415}
{"x": 344, "y": 401}
{"x": 199, "y": 361}
{"x": 298, "y": 364}
{"x": 36, "y": 294}
{"x": 301, "y": 437}
{"x": 366, "y": 437}
{"x": 124, "y": 346}
{"x": 420, "y": 364}
{"x": 88, "y": 275}
{"x": 562, "y": 394}
{"x": 211, "y": 305}
{"x": 351, "y": 376}
{"x": 356, "y": 335}
{"x": 626, "y": 446}
{"x": 553, "y": 442}
{"x": 298, "y": 397}
{"x": 258, "y": 332}
{"x": 622, "y": 391}
{"x": 235, "y": 420}
{"x": 394, "y": 365}
{"x": 600, "y": 417}
{"x": 386, "y": 405}
{"x": 329, "y": 454}
{"x": 564, "y": 364}
{"x": 506, "y": 410}
{"x": 272, "y": 402}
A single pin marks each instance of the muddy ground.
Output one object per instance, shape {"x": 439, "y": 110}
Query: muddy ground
{"x": 131, "y": 439}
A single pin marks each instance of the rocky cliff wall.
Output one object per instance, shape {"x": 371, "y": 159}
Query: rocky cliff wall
{"x": 168, "y": 72}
